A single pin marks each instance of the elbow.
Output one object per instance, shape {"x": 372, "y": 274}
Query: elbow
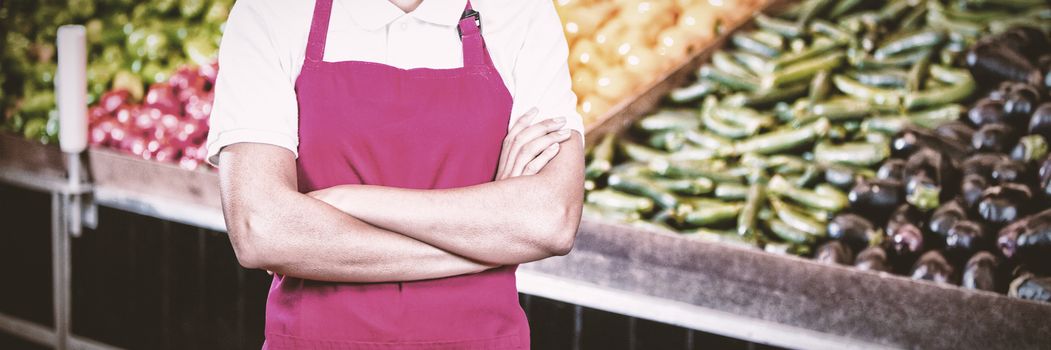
{"x": 561, "y": 233}
{"x": 250, "y": 244}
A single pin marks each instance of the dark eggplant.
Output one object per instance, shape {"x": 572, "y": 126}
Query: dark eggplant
{"x": 1030, "y": 148}
{"x": 873, "y": 259}
{"x": 964, "y": 238}
{"x": 904, "y": 231}
{"x": 1029, "y": 41}
{"x": 1040, "y": 122}
{"x": 930, "y": 178}
{"x": 834, "y": 252}
{"x": 911, "y": 139}
{"x": 1009, "y": 171}
{"x": 1031, "y": 287}
{"x": 989, "y": 60}
{"x": 854, "y": 230}
{"x": 1028, "y": 241}
{"x": 982, "y": 164}
{"x": 946, "y": 216}
{"x": 971, "y": 187}
{"x": 987, "y": 111}
{"x": 1045, "y": 176}
{"x": 957, "y": 131}
{"x": 981, "y": 272}
{"x": 1004, "y": 203}
{"x": 840, "y": 176}
{"x": 996, "y": 138}
{"x": 1019, "y": 104}
{"x": 932, "y": 266}
{"x": 876, "y": 198}
{"x": 891, "y": 169}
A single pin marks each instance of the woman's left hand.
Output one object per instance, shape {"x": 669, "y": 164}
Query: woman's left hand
{"x": 529, "y": 147}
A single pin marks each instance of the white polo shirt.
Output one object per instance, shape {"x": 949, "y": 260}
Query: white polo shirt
{"x": 264, "y": 45}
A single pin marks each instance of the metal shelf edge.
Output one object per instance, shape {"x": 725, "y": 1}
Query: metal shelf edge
{"x": 680, "y": 313}
{"x": 181, "y": 212}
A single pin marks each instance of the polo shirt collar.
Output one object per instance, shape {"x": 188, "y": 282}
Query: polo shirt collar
{"x": 375, "y": 14}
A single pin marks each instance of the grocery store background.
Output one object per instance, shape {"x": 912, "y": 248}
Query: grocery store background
{"x": 761, "y": 174}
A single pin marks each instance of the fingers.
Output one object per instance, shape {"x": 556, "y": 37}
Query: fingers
{"x": 534, "y": 166}
{"x": 528, "y": 135}
{"x": 534, "y": 148}
{"x": 524, "y": 121}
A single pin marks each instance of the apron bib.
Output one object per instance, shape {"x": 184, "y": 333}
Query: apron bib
{"x": 370, "y": 123}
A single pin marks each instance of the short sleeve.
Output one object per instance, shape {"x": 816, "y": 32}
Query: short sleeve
{"x": 255, "y": 100}
{"x": 541, "y": 70}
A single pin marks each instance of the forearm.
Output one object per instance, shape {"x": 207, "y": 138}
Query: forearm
{"x": 306, "y": 238}
{"x": 510, "y": 221}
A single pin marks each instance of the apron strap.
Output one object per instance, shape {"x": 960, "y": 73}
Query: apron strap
{"x": 319, "y": 31}
{"x": 470, "y": 28}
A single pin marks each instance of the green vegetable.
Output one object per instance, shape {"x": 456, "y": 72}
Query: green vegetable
{"x": 783, "y": 139}
{"x": 599, "y": 212}
{"x": 746, "y": 221}
{"x": 786, "y": 232}
{"x": 668, "y": 119}
{"x": 641, "y": 186}
{"x": 922, "y": 39}
{"x": 731, "y": 81}
{"x": 706, "y": 212}
{"x": 803, "y": 70}
{"x": 723, "y": 61}
{"x": 784, "y": 28}
{"x": 748, "y": 42}
{"x": 866, "y": 93}
{"x": 819, "y": 87}
{"x": 797, "y": 218}
{"x": 601, "y": 158}
{"x": 692, "y": 92}
{"x": 856, "y": 153}
{"x": 781, "y": 187}
{"x": 729, "y": 191}
{"x": 690, "y": 187}
{"x": 962, "y": 85}
{"x": 619, "y": 201}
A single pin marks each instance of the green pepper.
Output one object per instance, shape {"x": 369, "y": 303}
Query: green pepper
{"x": 641, "y": 186}
{"x": 783, "y": 139}
{"x": 601, "y": 158}
{"x": 784, "y": 28}
{"x": 668, "y": 119}
{"x": 731, "y": 81}
{"x": 723, "y": 61}
{"x": 692, "y": 92}
{"x": 619, "y": 201}
{"x": 598, "y": 212}
{"x": 781, "y": 187}
{"x": 873, "y": 95}
{"x": 962, "y": 86}
{"x": 746, "y": 220}
{"x": 690, "y": 187}
{"x": 851, "y": 153}
{"x": 797, "y": 218}
{"x": 803, "y": 70}
{"x": 706, "y": 212}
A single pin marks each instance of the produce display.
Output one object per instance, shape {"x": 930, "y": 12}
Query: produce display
{"x": 617, "y": 46}
{"x": 818, "y": 126}
{"x": 969, "y": 199}
{"x": 133, "y": 48}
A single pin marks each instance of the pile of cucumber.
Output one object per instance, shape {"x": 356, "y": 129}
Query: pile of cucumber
{"x": 763, "y": 148}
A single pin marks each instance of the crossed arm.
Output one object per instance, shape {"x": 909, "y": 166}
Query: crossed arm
{"x": 358, "y": 233}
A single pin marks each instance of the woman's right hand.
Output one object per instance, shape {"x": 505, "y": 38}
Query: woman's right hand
{"x": 529, "y": 147}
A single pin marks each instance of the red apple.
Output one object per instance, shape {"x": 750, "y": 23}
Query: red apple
{"x": 210, "y": 72}
{"x": 114, "y": 99}
{"x": 186, "y": 77}
{"x": 162, "y": 97}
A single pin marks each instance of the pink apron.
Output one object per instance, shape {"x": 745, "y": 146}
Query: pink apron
{"x": 369, "y": 123}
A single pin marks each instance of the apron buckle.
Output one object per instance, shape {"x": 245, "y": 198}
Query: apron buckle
{"x": 468, "y": 14}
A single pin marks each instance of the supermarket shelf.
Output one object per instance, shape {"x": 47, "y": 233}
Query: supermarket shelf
{"x": 44, "y": 335}
{"x": 162, "y": 208}
{"x": 707, "y": 286}
{"x": 679, "y": 313}
{"x": 696, "y": 284}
